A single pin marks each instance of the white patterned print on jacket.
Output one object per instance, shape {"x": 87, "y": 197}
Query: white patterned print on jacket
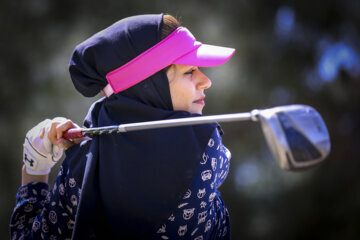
{"x": 202, "y": 213}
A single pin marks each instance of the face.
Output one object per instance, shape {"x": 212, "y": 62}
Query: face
{"x": 187, "y": 85}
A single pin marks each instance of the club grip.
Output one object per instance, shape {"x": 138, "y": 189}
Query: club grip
{"x": 73, "y": 134}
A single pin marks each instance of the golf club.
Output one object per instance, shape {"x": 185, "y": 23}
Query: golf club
{"x": 296, "y": 134}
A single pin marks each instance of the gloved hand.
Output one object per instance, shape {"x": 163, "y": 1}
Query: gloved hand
{"x": 40, "y": 154}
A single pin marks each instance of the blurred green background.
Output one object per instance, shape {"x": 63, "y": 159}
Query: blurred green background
{"x": 288, "y": 52}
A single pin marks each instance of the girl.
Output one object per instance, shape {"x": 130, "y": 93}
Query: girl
{"x": 153, "y": 184}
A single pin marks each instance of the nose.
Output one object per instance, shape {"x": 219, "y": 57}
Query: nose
{"x": 203, "y": 82}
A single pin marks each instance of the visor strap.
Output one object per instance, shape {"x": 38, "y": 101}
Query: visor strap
{"x": 177, "y": 44}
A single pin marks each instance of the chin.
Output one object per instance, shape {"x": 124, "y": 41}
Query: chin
{"x": 196, "y": 111}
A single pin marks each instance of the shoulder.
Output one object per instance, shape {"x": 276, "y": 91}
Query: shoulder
{"x": 216, "y": 137}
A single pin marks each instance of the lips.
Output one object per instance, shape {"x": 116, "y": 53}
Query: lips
{"x": 200, "y": 101}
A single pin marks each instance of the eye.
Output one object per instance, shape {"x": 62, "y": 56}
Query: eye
{"x": 191, "y": 71}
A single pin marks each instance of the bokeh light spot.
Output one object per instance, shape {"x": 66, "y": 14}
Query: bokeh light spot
{"x": 284, "y": 20}
{"x": 338, "y": 57}
{"x": 246, "y": 174}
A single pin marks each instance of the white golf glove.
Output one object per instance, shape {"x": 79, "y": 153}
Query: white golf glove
{"x": 40, "y": 155}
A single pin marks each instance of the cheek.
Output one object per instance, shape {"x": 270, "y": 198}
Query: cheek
{"x": 182, "y": 95}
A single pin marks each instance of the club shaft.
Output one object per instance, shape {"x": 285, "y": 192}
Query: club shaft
{"x": 78, "y": 133}
{"x": 184, "y": 122}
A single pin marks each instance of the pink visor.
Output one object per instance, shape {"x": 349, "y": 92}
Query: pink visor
{"x": 180, "y": 47}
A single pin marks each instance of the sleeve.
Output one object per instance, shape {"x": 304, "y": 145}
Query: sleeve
{"x": 29, "y": 203}
{"x": 43, "y": 214}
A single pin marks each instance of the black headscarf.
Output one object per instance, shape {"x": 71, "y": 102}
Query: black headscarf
{"x": 131, "y": 182}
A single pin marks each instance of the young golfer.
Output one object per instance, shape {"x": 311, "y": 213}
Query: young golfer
{"x": 151, "y": 184}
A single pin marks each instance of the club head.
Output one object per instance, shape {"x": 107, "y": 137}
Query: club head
{"x": 296, "y": 134}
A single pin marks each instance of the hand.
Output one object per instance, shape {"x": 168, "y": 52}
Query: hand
{"x": 43, "y": 146}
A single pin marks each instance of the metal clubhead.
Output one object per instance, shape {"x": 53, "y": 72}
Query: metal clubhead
{"x": 296, "y": 134}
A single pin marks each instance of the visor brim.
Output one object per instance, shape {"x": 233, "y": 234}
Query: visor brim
{"x": 206, "y": 56}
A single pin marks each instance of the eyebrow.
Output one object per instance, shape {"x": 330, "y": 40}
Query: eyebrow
{"x": 191, "y": 67}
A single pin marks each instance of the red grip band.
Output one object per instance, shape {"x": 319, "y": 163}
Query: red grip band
{"x": 73, "y": 134}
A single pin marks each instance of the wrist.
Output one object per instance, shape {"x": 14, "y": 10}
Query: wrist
{"x": 27, "y": 178}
